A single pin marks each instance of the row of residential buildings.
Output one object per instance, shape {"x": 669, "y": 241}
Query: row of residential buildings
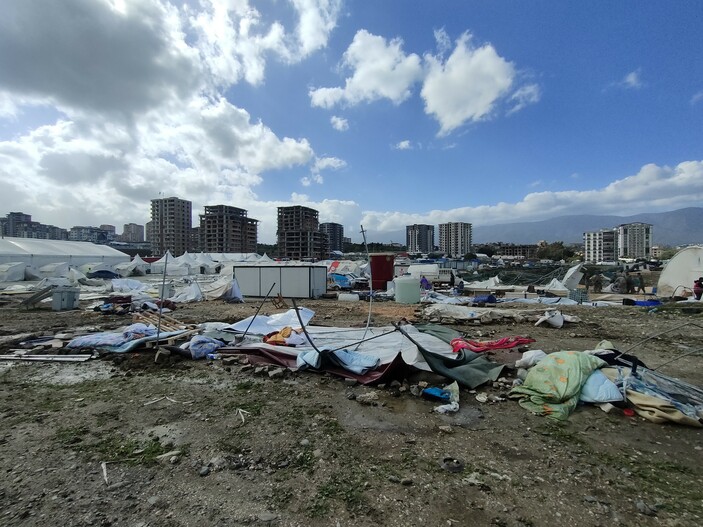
{"x": 628, "y": 240}
{"x": 228, "y": 229}
{"x": 454, "y": 238}
{"x": 300, "y": 235}
{"x": 20, "y": 225}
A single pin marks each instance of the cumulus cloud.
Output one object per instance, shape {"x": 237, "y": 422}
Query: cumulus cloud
{"x": 403, "y": 145}
{"x": 328, "y": 163}
{"x": 467, "y": 86}
{"x": 122, "y": 62}
{"x": 338, "y": 123}
{"x": 317, "y": 20}
{"x": 380, "y": 70}
{"x": 138, "y": 90}
{"x": 654, "y": 188}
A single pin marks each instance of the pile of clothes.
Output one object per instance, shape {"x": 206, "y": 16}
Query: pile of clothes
{"x": 556, "y": 383}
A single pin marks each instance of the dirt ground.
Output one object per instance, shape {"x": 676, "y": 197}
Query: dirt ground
{"x": 80, "y": 442}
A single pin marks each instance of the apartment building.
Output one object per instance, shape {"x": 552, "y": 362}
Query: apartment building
{"x": 455, "y": 239}
{"x": 419, "y": 238}
{"x": 226, "y": 229}
{"x": 600, "y": 246}
{"x": 171, "y": 226}
{"x": 335, "y": 235}
{"x": 298, "y": 234}
{"x": 132, "y": 233}
{"x": 634, "y": 240}
{"x": 20, "y": 225}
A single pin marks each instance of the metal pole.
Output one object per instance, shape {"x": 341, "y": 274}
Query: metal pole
{"x": 257, "y": 311}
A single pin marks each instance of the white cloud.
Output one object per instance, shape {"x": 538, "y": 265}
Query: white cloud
{"x": 535, "y": 183}
{"x": 653, "y": 188}
{"x": 444, "y": 43}
{"x": 120, "y": 63}
{"x": 697, "y": 97}
{"x": 140, "y": 107}
{"x": 338, "y": 123}
{"x": 328, "y": 163}
{"x": 403, "y": 145}
{"x": 317, "y": 20}
{"x": 467, "y": 86}
{"x": 320, "y": 164}
{"x": 631, "y": 81}
{"x": 524, "y": 96}
{"x": 380, "y": 70}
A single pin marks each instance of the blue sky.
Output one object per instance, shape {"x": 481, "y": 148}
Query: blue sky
{"x": 381, "y": 113}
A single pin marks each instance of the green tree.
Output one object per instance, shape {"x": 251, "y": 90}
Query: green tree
{"x": 554, "y": 251}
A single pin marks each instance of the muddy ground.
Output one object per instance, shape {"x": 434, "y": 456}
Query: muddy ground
{"x": 298, "y": 450}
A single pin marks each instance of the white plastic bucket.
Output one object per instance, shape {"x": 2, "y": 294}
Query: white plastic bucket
{"x": 407, "y": 290}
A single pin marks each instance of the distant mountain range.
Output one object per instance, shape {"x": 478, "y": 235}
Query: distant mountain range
{"x": 676, "y": 227}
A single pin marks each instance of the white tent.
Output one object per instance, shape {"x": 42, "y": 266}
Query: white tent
{"x": 573, "y": 277}
{"x": 682, "y": 270}
{"x": 92, "y": 267}
{"x": 174, "y": 266}
{"x": 204, "y": 264}
{"x": 136, "y": 267}
{"x": 38, "y": 253}
{"x": 12, "y": 271}
{"x": 53, "y": 270}
{"x": 556, "y": 287}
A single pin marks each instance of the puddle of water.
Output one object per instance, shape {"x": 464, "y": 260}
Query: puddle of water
{"x": 64, "y": 373}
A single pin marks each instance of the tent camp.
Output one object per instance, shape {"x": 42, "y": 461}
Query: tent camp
{"x": 681, "y": 271}
{"x": 38, "y": 253}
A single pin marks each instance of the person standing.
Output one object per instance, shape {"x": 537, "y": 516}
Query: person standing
{"x": 640, "y": 283}
{"x": 630, "y": 283}
{"x": 698, "y": 288}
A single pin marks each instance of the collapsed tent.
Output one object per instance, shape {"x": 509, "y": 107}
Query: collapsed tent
{"x": 12, "y": 271}
{"x": 423, "y": 347}
{"x": 681, "y": 271}
{"x": 137, "y": 267}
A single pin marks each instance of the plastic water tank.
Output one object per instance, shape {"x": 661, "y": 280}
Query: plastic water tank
{"x": 407, "y": 290}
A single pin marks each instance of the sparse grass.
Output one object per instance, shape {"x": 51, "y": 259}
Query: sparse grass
{"x": 305, "y": 460}
{"x": 244, "y": 385}
{"x": 345, "y": 486}
{"x": 120, "y": 449}
{"x": 71, "y": 435}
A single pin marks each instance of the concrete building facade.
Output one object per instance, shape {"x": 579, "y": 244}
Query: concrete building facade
{"x": 298, "y": 234}
{"x": 634, "y": 240}
{"x": 226, "y": 229}
{"x": 171, "y": 226}
{"x": 455, "y": 239}
{"x": 132, "y": 233}
{"x": 600, "y": 246}
{"x": 335, "y": 235}
{"x": 80, "y": 233}
{"x": 419, "y": 238}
